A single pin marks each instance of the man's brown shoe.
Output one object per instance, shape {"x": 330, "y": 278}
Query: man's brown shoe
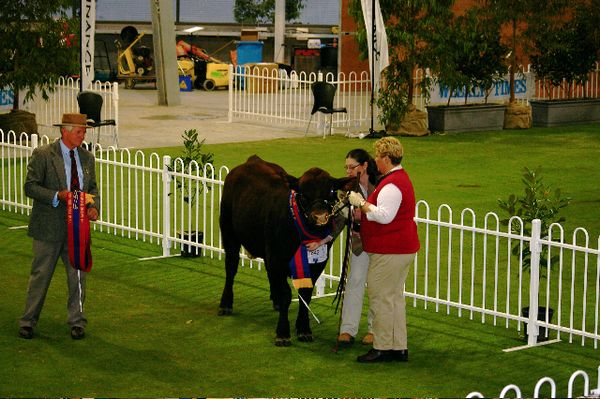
{"x": 368, "y": 339}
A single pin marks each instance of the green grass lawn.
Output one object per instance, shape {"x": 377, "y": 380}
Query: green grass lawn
{"x": 154, "y": 331}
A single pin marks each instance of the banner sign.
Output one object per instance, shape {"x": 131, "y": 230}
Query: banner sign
{"x": 88, "y": 31}
{"x": 500, "y": 92}
{"x": 379, "y": 41}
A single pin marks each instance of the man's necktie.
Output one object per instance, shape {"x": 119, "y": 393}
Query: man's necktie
{"x": 74, "y": 174}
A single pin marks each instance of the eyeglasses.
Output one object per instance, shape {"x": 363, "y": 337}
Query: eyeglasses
{"x": 351, "y": 167}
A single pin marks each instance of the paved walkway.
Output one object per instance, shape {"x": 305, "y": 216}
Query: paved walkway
{"x": 144, "y": 124}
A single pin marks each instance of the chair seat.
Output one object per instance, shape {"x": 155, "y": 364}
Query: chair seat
{"x": 326, "y": 110}
{"x": 107, "y": 122}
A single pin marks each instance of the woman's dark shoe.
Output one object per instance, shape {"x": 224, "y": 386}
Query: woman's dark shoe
{"x": 26, "y": 332}
{"x": 376, "y": 355}
{"x": 401, "y": 355}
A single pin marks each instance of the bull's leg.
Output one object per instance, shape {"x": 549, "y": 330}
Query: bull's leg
{"x": 232, "y": 258}
{"x": 303, "y": 330}
{"x": 281, "y": 295}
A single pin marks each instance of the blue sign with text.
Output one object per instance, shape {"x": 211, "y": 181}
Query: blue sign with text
{"x": 6, "y": 98}
{"x": 499, "y": 91}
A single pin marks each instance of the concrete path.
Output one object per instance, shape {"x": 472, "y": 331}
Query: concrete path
{"x": 144, "y": 124}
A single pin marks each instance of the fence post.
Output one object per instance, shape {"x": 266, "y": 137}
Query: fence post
{"x": 320, "y": 286}
{"x": 34, "y": 141}
{"x": 166, "y": 184}
{"x": 534, "y": 282}
{"x": 115, "y": 115}
{"x": 230, "y": 96}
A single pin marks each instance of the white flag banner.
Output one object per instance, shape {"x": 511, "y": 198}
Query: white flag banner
{"x": 381, "y": 44}
{"x": 88, "y": 31}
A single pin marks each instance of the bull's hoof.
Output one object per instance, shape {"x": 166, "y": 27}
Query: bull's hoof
{"x": 225, "y": 311}
{"x": 305, "y": 337}
{"x": 283, "y": 341}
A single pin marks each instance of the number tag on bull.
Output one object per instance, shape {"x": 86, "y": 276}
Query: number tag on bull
{"x": 318, "y": 255}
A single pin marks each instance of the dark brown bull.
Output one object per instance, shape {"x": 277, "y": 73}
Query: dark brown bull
{"x": 255, "y": 213}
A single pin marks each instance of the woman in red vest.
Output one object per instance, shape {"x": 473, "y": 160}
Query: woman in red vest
{"x": 389, "y": 236}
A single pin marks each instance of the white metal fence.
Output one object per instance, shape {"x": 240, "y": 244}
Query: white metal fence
{"x": 465, "y": 266}
{"x": 64, "y": 100}
{"x": 540, "y": 389}
{"x": 274, "y": 96}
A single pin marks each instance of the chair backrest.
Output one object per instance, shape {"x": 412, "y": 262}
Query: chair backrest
{"x": 323, "y": 94}
{"x": 90, "y": 103}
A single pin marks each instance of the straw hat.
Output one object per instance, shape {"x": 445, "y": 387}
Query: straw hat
{"x": 79, "y": 120}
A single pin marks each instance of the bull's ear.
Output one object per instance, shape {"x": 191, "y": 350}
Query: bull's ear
{"x": 292, "y": 182}
{"x": 345, "y": 184}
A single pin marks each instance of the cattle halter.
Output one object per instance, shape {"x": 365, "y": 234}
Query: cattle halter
{"x": 302, "y": 207}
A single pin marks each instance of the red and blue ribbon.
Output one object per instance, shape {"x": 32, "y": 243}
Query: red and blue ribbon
{"x": 299, "y": 266}
{"x": 78, "y": 231}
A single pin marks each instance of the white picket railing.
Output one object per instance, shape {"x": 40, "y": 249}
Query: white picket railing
{"x": 64, "y": 100}
{"x": 463, "y": 267}
{"x": 538, "y": 390}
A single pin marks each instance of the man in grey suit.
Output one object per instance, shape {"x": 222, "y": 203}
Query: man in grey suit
{"x": 48, "y": 182}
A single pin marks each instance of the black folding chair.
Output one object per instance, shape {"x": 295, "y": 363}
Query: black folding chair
{"x": 90, "y": 103}
{"x": 323, "y": 95}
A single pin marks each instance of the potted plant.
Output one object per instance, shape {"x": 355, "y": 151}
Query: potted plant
{"x": 36, "y": 47}
{"x": 413, "y": 29}
{"x": 192, "y": 157}
{"x": 565, "y": 51}
{"x": 471, "y": 61}
{"x": 539, "y": 201}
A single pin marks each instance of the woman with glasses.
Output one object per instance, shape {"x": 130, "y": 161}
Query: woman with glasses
{"x": 389, "y": 236}
{"x": 358, "y": 164}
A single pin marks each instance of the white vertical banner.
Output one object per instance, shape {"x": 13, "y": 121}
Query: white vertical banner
{"x": 380, "y": 39}
{"x": 88, "y": 31}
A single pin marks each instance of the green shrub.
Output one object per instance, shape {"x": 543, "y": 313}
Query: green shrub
{"x": 192, "y": 152}
{"x": 539, "y": 201}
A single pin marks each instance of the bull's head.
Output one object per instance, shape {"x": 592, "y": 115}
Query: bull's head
{"x": 317, "y": 194}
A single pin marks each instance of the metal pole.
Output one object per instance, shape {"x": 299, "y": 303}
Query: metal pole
{"x": 374, "y": 52}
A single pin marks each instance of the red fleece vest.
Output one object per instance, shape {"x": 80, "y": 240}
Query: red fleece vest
{"x": 399, "y": 236}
